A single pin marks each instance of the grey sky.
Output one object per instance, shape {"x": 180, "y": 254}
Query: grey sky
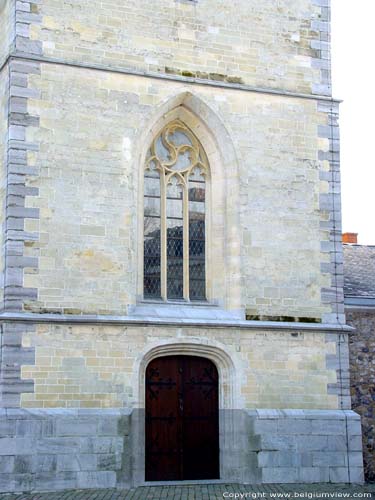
{"x": 353, "y": 81}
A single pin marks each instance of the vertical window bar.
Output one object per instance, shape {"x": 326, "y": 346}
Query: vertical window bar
{"x": 163, "y": 237}
{"x": 186, "y": 241}
{"x": 197, "y": 238}
{"x": 151, "y": 248}
{"x": 175, "y": 241}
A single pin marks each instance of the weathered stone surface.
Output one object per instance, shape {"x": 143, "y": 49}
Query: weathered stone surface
{"x": 272, "y": 363}
{"x": 269, "y": 286}
{"x": 314, "y": 474}
{"x": 72, "y": 163}
{"x": 362, "y": 373}
{"x": 6, "y": 464}
{"x": 6, "y": 30}
{"x": 99, "y": 479}
{"x": 84, "y": 461}
{"x": 69, "y": 427}
{"x": 35, "y": 455}
{"x": 298, "y": 453}
{"x": 178, "y": 26}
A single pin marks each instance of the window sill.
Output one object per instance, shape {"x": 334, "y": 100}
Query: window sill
{"x": 183, "y": 310}
{"x": 177, "y": 302}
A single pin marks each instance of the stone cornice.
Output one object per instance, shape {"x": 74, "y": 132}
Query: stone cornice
{"x": 146, "y": 321}
{"x": 170, "y": 77}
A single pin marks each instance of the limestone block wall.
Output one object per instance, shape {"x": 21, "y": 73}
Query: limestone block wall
{"x": 283, "y": 209}
{"x": 7, "y": 28}
{"x": 88, "y": 90}
{"x": 93, "y": 366}
{"x": 88, "y": 151}
{"x": 362, "y": 374}
{"x": 4, "y": 96}
{"x": 51, "y": 450}
{"x": 307, "y": 446}
{"x": 286, "y": 47}
{"x": 55, "y": 450}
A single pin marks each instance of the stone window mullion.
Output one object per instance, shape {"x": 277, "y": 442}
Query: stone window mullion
{"x": 163, "y": 230}
{"x": 186, "y": 239}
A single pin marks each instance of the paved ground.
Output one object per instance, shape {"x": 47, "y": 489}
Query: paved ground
{"x": 209, "y": 492}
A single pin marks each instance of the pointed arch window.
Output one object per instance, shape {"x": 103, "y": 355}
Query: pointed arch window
{"x": 176, "y": 170}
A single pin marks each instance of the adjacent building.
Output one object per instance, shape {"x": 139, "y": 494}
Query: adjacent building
{"x": 359, "y": 288}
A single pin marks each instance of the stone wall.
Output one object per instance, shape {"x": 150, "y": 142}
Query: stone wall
{"x": 4, "y": 98}
{"x": 362, "y": 372}
{"x": 88, "y": 366}
{"x": 51, "y": 450}
{"x": 92, "y": 130}
{"x": 307, "y": 446}
{"x": 55, "y": 450}
{"x": 89, "y": 91}
{"x": 207, "y": 39}
{"x": 7, "y": 28}
{"x": 79, "y": 245}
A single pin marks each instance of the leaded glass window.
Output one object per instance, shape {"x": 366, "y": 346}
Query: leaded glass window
{"x": 176, "y": 170}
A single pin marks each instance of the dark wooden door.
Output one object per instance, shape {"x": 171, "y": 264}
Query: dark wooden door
{"x": 182, "y": 419}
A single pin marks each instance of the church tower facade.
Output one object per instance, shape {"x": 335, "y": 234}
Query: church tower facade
{"x": 172, "y": 304}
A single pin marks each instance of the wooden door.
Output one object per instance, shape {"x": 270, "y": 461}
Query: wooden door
{"x": 182, "y": 419}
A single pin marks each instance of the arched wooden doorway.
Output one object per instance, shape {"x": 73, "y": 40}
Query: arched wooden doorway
{"x": 182, "y": 419}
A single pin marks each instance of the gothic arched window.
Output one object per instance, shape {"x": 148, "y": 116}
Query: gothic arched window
{"x": 174, "y": 266}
